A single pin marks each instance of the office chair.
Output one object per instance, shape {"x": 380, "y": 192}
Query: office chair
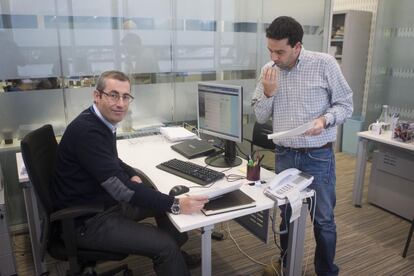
{"x": 259, "y": 139}
{"x": 410, "y": 234}
{"x": 39, "y": 149}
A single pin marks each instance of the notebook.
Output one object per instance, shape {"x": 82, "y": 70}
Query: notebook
{"x": 193, "y": 148}
{"x": 232, "y": 201}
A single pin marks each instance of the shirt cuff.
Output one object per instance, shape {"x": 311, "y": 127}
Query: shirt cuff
{"x": 330, "y": 120}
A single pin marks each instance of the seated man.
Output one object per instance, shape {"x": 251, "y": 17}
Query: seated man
{"x": 88, "y": 170}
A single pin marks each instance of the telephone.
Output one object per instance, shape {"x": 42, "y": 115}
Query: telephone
{"x": 287, "y": 181}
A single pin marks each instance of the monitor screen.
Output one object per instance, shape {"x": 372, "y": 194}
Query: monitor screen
{"x": 220, "y": 114}
{"x": 220, "y": 110}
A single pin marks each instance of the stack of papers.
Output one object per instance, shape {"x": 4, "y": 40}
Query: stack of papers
{"x": 175, "y": 134}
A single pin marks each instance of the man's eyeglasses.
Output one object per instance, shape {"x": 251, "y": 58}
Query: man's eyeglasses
{"x": 114, "y": 96}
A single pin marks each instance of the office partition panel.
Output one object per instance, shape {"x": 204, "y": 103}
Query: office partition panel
{"x": 54, "y": 50}
{"x": 392, "y": 74}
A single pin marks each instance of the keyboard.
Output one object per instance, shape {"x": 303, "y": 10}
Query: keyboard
{"x": 190, "y": 171}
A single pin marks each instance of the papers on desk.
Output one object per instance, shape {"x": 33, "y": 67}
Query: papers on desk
{"x": 175, "y": 134}
{"x": 292, "y": 132}
{"x": 23, "y": 172}
{"x": 295, "y": 201}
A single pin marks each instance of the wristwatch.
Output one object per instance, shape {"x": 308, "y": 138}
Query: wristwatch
{"x": 175, "y": 207}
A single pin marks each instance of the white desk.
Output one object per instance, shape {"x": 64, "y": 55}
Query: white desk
{"x": 32, "y": 213}
{"x": 147, "y": 152}
{"x": 364, "y": 138}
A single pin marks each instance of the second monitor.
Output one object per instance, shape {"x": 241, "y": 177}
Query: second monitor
{"x": 220, "y": 114}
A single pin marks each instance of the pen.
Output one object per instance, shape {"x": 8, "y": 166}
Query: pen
{"x": 261, "y": 158}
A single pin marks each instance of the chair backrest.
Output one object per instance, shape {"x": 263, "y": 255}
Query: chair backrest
{"x": 259, "y": 137}
{"x": 39, "y": 149}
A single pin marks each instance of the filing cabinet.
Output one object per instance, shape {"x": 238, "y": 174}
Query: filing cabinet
{"x": 392, "y": 181}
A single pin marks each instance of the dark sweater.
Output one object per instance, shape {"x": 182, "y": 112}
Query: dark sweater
{"x": 88, "y": 170}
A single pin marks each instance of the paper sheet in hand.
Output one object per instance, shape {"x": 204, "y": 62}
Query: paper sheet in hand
{"x": 216, "y": 191}
{"x": 292, "y": 132}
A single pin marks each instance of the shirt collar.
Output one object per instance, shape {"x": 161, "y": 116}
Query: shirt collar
{"x": 105, "y": 121}
{"x": 301, "y": 57}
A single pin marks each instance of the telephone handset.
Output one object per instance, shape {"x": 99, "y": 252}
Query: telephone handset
{"x": 286, "y": 181}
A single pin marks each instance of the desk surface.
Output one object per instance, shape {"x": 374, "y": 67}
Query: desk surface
{"x": 21, "y": 169}
{"x": 386, "y": 139}
{"x": 147, "y": 152}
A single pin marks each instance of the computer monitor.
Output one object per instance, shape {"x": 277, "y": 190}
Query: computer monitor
{"x": 220, "y": 114}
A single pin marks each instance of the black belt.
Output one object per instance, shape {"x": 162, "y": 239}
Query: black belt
{"x": 305, "y": 150}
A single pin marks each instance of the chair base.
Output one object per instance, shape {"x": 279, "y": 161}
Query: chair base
{"x": 90, "y": 271}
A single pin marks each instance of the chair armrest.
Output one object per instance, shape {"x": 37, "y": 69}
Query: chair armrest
{"x": 145, "y": 178}
{"x": 75, "y": 212}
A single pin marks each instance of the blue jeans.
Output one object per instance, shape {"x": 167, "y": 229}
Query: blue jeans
{"x": 321, "y": 164}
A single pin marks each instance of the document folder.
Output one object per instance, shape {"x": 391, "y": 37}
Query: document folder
{"x": 232, "y": 201}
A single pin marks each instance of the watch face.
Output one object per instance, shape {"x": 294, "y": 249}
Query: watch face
{"x": 175, "y": 208}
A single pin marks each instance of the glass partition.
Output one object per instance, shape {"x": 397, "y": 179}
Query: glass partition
{"x": 392, "y": 77}
{"x": 54, "y": 50}
{"x": 29, "y": 61}
{"x": 60, "y": 47}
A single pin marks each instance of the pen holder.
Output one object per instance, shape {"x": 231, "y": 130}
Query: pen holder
{"x": 253, "y": 173}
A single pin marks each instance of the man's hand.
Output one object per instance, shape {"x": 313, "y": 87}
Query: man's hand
{"x": 136, "y": 178}
{"x": 318, "y": 126}
{"x": 269, "y": 81}
{"x": 192, "y": 204}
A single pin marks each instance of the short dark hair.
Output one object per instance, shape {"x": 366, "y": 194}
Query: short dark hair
{"x": 285, "y": 27}
{"x": 117, "y": 75}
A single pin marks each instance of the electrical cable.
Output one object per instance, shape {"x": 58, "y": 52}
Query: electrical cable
{"x": 234, "y": 177}
{"x": 241, "y": 251}
{"x": 245, "y": 155}
{"x": 273, "y": 266}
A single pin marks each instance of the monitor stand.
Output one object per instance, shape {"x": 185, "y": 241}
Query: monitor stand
{"x": 229, "y": 159}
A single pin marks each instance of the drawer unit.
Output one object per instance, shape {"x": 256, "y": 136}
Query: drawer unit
{"x": 391, "y": 183}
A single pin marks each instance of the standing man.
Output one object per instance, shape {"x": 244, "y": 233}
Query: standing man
{"x": 88, "y": 171}
{"x": 298, "y": 86}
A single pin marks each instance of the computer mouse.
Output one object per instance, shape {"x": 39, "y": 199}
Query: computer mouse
{"x": 178, "y": 190}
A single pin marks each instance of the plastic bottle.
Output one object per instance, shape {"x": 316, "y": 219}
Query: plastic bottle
{"x": 127, "y": 123}
{"x": 384, "y": 117}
